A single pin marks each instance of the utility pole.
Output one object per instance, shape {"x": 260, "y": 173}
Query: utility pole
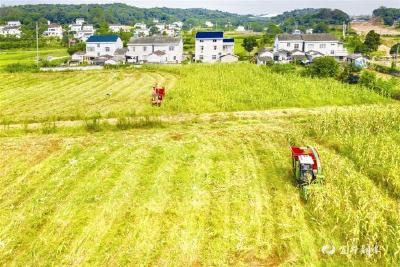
{"x": 344, "y": 29}
{"x": 37, "y": 44}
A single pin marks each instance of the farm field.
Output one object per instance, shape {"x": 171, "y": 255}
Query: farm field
{"x": 216, "y": 191}
{"x": 28, "y": 56}
{"x": 30, "y": 97}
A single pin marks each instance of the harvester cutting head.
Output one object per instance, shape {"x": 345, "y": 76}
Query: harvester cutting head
{"x": 307, "y": 168}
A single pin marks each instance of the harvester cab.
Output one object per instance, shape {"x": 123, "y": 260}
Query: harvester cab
{"x": 307, "y": 168}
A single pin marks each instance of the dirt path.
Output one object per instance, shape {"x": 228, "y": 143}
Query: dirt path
{"x": 205, "y": 117}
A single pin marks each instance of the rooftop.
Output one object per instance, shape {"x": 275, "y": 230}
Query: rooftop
{"x": 229, "y": 40}
{"x": 102, "y": 39}
{"x": 155, "y": 40}
{"x": 315, "y": 37}
{"x": 209, "y": 35}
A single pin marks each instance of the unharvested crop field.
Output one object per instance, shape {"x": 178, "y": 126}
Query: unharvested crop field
{"x": 39, "y": 97}
{"x": 28, "y": 56}
{"x": 198, "y": 193}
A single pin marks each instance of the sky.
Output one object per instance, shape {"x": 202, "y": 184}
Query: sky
{"x": 352, "y": 7}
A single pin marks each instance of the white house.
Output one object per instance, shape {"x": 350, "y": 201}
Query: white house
{"x": 88, "y": 27}
{"x": 155, "y": 49}
{"x": 323, "y": 43}
{"x": 178, "y": 24}
{"x": 240, "y": 29}
{"x": 10, "y": 30}
{"x": 14, "y": 23}
{"x": 141, "y": 33}
{"x": 80, "y": 21}
{"x": 211, "y": 46}
{"x": 140, "y": 25}
{"x": 54, "y": 30}
{"x": 102, "y": 45}
{"x": 160, "y": 27}
{"x": 209, "y": 24}
{"x": 118, "y": 27}
{"x": 264, "y": 56}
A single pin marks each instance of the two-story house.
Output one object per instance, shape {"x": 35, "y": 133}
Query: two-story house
{"x": 101, "y": 45}
{"x": 323, "y": 44}
{"x": 210, "y": 47}
{"x": 118, "y": 27}
{"x": 54, "y": 30}
{"x": 155, "y": 49}
{"x": 13, "y": 28}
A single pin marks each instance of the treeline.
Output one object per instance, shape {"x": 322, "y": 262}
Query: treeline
{"x": 116, "y": 13}
{"x": 310, "y": 17}
{"x": 388, "y": 15}
{"x": 10, "y": 42}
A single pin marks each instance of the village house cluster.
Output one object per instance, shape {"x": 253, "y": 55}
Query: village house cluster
{"x": 210, "y": 47}
{"x": 302, "y": 48}
{"x": 12, "y": 28}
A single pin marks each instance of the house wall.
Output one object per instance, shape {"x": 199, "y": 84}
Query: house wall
{"x": 229, "y": 48}
{"x": 332, "y": 48}
{"x": 174, "y": 52}
{"x": 102, "y": 49}
{"x": 54, "y": 32}
{"x": 229, "y": 59}
{"x": 288, "y": 45}
{"x": 208, "y": 50}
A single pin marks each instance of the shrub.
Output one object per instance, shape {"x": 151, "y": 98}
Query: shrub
{"x": 282, "y": 68}
{"x": 324, "y": 67}
{"x": 19, "y": 67}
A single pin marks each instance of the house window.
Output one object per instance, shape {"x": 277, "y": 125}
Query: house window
{"x": 107, "y": 49}
{"x": 215, "y": 47}
{"x": 91, "y": 49}
{"x": 288, "y": 44}
{"x": 98, "y": 45}
{"x": 144, "y": 48}
{"x": 214, "y": 41}
{"x": 98, "y": 54}
{"x": 332, "y": 52}
{"x": 201, "y": 41}
{"x": 322, "y": 45}
{"x": 296, "y": 46}
{"x": 174, "y": 57}
{"x": 133, "y": 49}
{"x": 214, "y": 57}
{"x": 202, "y": 48}
{"x": 310, "y": 46}
{"x": 332, "y": 44}
{"x": 171, "y": 48}
{"x": 201, "y": 57}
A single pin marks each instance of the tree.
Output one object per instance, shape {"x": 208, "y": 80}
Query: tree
{"x": 249, "y": 43}
{"x": 104, "y": 28}
{"x": 372, "y": 41}
{"x": 368, "y": 79}
{"x": 154, "y": 30}
{"x": 395, "y": 49}
{"x": 78, "y": 47}
{"x": 324, "y": 67}
{"x": 321, "y": 27}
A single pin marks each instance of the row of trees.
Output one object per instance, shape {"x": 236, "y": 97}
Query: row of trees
{"x": 98, "y": 15}
{"x": 388, "y": 15}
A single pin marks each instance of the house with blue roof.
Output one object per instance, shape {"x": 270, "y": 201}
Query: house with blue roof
{"x": 102, "y": 45}
{"x": 211, "y": 47}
